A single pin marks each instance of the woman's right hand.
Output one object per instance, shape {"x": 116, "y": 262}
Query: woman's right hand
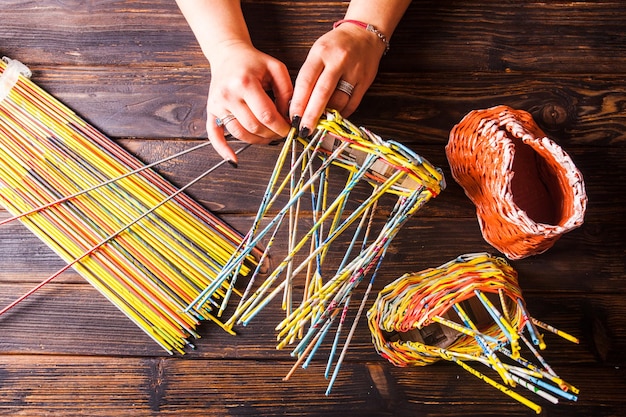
{"x": 242, "y": 79}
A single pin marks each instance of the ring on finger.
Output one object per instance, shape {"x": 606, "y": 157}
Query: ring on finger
{"x": 220, "y": 122}
{"x": 345, "y": 87}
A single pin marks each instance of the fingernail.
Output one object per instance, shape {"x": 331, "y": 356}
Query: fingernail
{"x": 232, "y": 163}
{"x": 295, "y": 122}
{"x": 275, "y": 142}
{"x": 304, "y": 132}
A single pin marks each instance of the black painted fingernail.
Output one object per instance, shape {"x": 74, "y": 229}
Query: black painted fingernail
{"x": 304, "y": 132}
{"x": 295, "y": 122}
{"x": 232, "y": 163}
{"x": 275, "y": 142}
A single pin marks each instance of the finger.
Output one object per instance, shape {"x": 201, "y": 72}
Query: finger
{"x": 269, "y": 122}
{"x": 318, "y": 101}
{"x": 339, "y": 101}
{"x": 247, "y": 127}
{"x": 282, "y": 88}
{"x": 304, "y": 85}
{"x": 216, "y": 136}
{"x": 357, "y": 95}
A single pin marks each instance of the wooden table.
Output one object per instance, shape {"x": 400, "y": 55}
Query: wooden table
{"x": 133, "y": 70}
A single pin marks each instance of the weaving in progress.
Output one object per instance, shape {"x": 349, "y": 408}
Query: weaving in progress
{"x": 145, "y": 245}
{"x": 166, "y": 262}
{"x": 374, "y": 173}
{"x": 470, "y": 309}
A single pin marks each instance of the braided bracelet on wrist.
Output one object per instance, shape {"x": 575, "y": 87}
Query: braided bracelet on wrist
{"x": 368, "y": 27}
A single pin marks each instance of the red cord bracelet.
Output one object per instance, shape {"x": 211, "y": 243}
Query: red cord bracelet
{"x": 368, "y": 27}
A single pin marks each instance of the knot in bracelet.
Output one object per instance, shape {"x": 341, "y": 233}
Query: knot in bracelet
{"x": 368, "y": 27}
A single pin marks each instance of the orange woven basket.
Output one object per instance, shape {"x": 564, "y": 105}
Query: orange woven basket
{"x": 526, "y": 189}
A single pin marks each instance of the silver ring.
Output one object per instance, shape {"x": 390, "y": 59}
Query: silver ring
{"x": 224, "y": 120}
{"x": 345, "y": 87}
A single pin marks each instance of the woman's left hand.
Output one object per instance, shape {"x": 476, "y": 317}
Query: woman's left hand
{"x": 338, "y": 70}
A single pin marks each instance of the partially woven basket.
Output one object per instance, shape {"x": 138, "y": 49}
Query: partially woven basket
{"x": 401, "y": 316}
{"x": 526, "y": 189}
{"x": 467, "y": 310}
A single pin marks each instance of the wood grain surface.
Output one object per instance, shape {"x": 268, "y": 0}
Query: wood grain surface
{"x": 133, "y": 69}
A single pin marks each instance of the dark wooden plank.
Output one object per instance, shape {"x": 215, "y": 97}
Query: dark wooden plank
{"x": 74, "y": 32}
{"x": 434, "y": 35}
{"x": 73, "y": 319}
{"x": 54, "y": 385}
{"x": 409, "y": 107}
{"x": 504, "y": 36}
{"x": 424, "y": 242}
{"x": 571, "y": 109}
{"x": 240, "y": 191}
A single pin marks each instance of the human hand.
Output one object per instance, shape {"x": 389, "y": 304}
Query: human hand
{"x": 347, "y": 53}
{"x": 241, "y": 76}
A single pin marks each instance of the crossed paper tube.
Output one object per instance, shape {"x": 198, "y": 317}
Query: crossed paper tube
{"x": 373, "y": 172}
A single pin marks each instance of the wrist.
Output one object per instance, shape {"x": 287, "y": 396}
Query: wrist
{"x": 368, "y": 27}
{"x": 215, "y": 23}
{"x": 215, "y": 51}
